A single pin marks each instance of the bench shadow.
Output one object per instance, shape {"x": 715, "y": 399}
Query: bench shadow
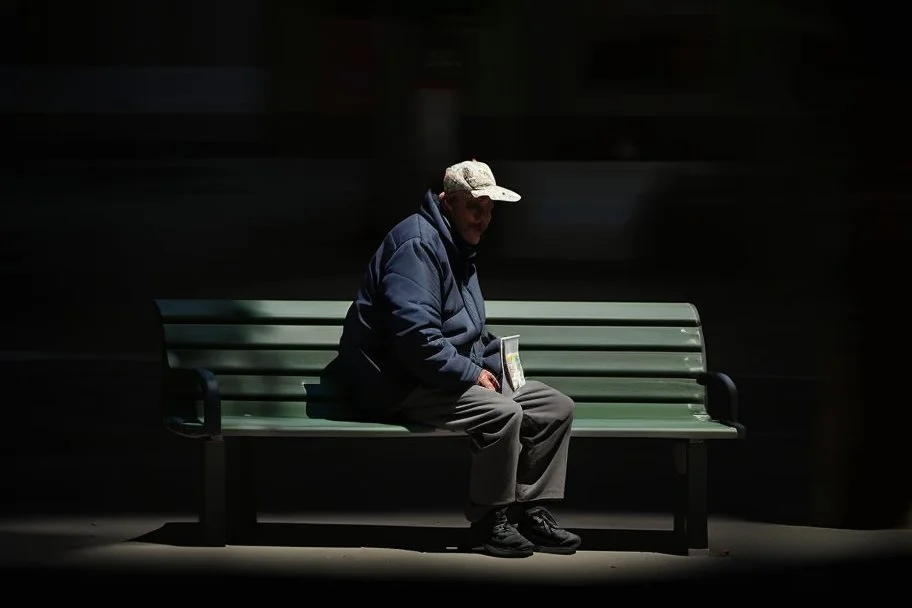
{"x": 421, "y": 539}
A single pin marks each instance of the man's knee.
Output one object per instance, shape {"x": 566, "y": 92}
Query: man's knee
{"x": 497, "y": 410}
{"x": 508, "y": 412}
{"x": 562, "y": 405}
{"x": 565, "y": 406}
{"x": 502, "y": 418}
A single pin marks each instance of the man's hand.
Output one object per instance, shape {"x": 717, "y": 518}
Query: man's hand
{"x": 488, "y": 380}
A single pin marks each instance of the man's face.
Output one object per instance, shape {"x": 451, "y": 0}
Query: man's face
{"x": 469, "y": 215}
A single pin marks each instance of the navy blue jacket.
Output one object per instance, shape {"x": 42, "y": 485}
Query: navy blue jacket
{"x": 418, "y": 318}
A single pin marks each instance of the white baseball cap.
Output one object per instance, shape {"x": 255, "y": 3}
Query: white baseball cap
{"x": 476, "y": 178}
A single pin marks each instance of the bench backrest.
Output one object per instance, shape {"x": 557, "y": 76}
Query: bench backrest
{"x": 616, "y": 359}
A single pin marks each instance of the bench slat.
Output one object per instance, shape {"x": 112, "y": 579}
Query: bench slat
{"x": 583, "y": 388}
{"x": 498, "y": 311}
{"x": 536, "y": 363}
{"x": 675, "y": 390}
{"x": 505, "y": 311}
{"x": 665, "y": 364}
{"x": 585, "y": 411}
{"x": 249, "y": 311}
{"x": 327, "y": 336}
{"x": 617, "y": 337}
{"x": 692, "y": 428}
{"x": 640, "y": 411}
{"x": 233, "y": 335}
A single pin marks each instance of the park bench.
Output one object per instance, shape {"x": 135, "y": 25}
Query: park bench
{"x": 234, "y": 370}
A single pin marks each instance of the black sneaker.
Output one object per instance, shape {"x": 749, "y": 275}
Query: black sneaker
{"x": 539, "y": 526}
{"x": 495, "y": 535}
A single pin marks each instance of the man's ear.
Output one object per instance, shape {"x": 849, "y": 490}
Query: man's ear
{"x": 444, "y": 202}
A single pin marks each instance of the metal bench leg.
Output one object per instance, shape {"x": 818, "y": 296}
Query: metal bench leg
{"x": 690, "y": 515}
{"x": 212, "y": 514}
{"x": 242, "y": 503}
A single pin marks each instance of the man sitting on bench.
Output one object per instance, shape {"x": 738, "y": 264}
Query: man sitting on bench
{"x": 416, "y": 348}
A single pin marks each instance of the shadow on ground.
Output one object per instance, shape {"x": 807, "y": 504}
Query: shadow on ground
{"x": 422, "y": 539}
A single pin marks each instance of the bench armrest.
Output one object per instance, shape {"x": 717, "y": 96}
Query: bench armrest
{"x": 720, "y": 387}
{"x": 191, "y": 384}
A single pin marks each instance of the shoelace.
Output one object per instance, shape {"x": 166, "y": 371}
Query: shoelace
{"x": 545, "y": 519}
{"x": 502, "y": 525}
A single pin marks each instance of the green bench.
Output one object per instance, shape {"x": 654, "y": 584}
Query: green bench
{"x": 234, "y": 370}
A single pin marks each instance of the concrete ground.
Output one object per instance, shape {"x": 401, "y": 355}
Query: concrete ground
{"x": 368, "y": 551}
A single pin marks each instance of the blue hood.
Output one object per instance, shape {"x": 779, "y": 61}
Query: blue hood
{"x": 456, "y": 246}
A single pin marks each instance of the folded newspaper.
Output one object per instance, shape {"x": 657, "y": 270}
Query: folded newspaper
{"x": 509, "y": 355}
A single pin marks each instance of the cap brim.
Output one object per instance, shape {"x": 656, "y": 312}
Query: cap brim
{"x": 496, "y": 193}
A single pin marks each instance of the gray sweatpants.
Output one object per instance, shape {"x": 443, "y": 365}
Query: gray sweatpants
{"x": 519, "y": 441}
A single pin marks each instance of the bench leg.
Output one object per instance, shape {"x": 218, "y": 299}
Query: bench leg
{"x": 242, "y": 503}
{"x": 212, "y": 513}
{"x": 690, "y": 515}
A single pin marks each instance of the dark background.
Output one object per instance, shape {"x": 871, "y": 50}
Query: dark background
{"x": 747, "y": 157}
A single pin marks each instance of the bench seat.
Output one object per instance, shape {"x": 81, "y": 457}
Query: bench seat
{"x": 589, "y": 423}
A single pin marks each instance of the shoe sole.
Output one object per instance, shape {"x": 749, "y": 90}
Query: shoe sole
{"x": 556, "y": 550}
{"x": 495, "y": 552}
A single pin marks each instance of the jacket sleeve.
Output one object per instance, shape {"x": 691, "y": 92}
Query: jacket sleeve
{"x": 412, "y": 285}
{"x": 492, "y": 360}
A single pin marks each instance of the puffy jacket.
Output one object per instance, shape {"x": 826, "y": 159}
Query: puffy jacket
{"x": 418, "y": 318}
